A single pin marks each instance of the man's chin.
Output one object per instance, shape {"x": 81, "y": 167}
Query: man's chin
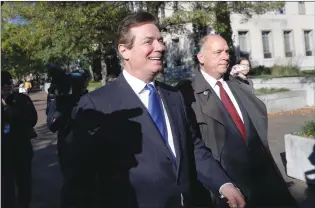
{"x": 158, "y": 70}
{"x": 223, "y": 70}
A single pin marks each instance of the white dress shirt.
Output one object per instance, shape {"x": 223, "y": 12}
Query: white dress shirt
{"x": 138, "y": 86}
{"x": 213, "y": 83}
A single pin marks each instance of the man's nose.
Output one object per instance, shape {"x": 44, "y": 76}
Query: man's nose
{"x": 159, "y": 46}
{"x": 226, "y": 56}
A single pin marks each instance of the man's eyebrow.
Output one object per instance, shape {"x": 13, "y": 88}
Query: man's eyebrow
{"x": 152, "y": 38}
{"x": 148, "y": 37}
{"x": 220, "y": 50}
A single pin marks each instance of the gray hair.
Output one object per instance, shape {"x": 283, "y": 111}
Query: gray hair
{"x": 203, "y": 40}
{"x": 201, "y": 43}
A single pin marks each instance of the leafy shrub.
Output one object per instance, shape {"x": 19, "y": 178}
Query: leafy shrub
{"x": 276, "y": 71}
{"x": 284, "y": 70}
{"x": 260, "y": 70}
{"x": 264, "y": 90}
{"x": 308, "y": 130}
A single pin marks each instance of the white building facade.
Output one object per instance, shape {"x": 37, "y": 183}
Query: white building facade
{"x": 282, "y": 38}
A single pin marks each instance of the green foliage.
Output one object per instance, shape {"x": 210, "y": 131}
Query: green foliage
{"x": 249, "y": 8}
{"x": 94, "y": 85}
{"x": 276, "y": 71}
{"x": 284, "y": 70}
{"x": 59, "y": 32}
{"x": 263, "y": 91}
{"x": 308, "y": 130}
{"x": 260, "y": 70}
{"x": 279, "y": 71}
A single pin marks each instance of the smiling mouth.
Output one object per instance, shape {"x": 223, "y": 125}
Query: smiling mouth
{"x": 156, "y": 59}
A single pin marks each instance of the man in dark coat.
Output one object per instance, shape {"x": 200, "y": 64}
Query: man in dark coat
{"x": 233, "y": 124}
{"x": 132, "y": 144}
{"x": 18, "y": 119}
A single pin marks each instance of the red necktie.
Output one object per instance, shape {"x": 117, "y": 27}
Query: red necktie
{"x": 232, "y": 111}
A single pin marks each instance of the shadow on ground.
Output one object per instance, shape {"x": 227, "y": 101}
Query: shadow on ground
{"x": 47, "y": 179}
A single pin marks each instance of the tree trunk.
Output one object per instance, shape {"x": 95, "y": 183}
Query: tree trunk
{"x": 91, "y": 72}
{"x": 104, "y": 70}
{"x": 153, "y": 8}
{"x": 223, "y": 19}
{"x": 199, "y": 32}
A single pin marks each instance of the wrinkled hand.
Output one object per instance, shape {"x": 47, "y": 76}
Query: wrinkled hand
{"x": 234, "y": 197}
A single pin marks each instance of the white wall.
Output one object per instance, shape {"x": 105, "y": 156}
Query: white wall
{"x": 277, "y": 23}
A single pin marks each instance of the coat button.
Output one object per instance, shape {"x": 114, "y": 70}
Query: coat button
{"x": 205, "y": 93}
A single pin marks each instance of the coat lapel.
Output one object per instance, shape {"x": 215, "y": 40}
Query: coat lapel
{"x": 207, "y": 98}
{"x": 171, "y": 110}
{"x": 149, "y": 129}
{"x": 255, "y": 110}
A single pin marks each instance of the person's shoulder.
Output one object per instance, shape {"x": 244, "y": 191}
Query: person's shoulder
{"x": 100, "y": 93}
{"x": 165, "y": 86}
{"x": 236, "y": 81}
{"x": 19, "y": 95}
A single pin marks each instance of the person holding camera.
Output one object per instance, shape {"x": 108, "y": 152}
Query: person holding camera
{"x": 63, "y": 95}
{"x": 19, "y": 116}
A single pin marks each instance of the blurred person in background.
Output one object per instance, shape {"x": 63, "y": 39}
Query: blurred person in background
{"x": 240, "y": 71}
{"x": 18, "y": 119}
{"x": 27, "y": 86}
{"x": 63, "y": 96}
{"x": 21, "y": 87}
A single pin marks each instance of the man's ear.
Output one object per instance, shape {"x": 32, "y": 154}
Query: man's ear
{"x": 123, "y": 51}
{"x": 200, "y": 58}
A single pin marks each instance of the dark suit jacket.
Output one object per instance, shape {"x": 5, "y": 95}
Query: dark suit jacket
{"x": 118, "y": 158}
{"x": 239, "y": 160}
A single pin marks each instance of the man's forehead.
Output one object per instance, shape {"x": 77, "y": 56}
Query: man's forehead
{"x": 147, "y": 30}
{"x": 216, "y": 42}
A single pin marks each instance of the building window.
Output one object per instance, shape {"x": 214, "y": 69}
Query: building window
{"x": 266, "y": 41}
{"x": 244, "y": 49}
{"x": 301, "y": 7}
{"x": 307, "y": 42}
{"x": 288, "y": 43}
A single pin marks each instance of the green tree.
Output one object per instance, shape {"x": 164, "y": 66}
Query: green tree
{"x": 62, "y": 32}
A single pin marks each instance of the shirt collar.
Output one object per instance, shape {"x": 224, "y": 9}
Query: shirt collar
{"x": 212, "y": 81}
{"x": 136, "y": 84}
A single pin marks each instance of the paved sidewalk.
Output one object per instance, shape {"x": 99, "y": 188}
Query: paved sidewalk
{"x": 278, "y": 127}
{"x": 47, "y": 179}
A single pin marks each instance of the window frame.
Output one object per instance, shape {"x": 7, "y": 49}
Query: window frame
{"x": 301, "y": 7}
{"x": 310, "y": 34}
{"x": 270, "y": 43}
{"x": 291, "y": 42}
{"x": 246, "y": 53}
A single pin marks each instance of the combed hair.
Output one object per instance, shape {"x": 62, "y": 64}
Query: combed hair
{"x": 133, "y": 20}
